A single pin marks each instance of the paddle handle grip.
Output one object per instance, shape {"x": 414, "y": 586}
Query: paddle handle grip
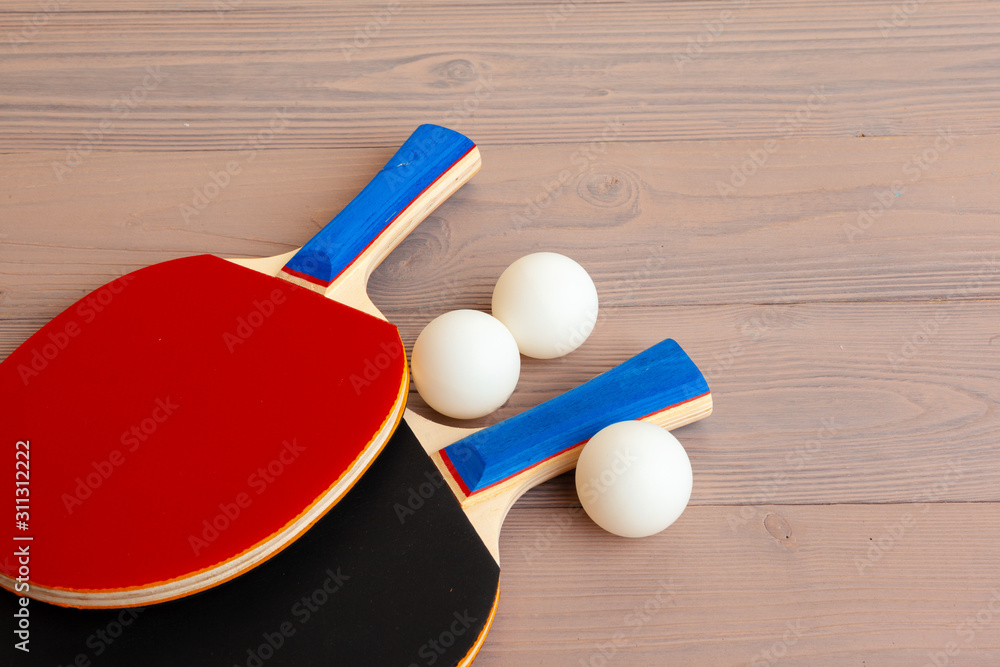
{"x": 661, "y": 385}
{"x": 426, "y": 170}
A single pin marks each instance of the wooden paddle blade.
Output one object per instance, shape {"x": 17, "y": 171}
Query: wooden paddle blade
{"x": 173, "y": 395}
{"x": 185, "y": 423}
{"x": 393, "y": 575}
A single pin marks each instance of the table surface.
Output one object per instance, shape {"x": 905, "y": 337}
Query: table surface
{"x": 804, "y": 194}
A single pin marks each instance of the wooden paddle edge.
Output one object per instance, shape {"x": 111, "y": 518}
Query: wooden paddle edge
{"x": 481, "y": 639}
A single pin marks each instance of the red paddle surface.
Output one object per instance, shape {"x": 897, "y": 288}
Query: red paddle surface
{"x": 184, "y": 413}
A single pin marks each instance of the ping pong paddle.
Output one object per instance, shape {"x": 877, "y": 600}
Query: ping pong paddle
{"x": 404, "y": 570}
{"x": 190, "y": 419}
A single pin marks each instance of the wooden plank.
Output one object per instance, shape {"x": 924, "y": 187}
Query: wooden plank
{"x": 816, "y": 585}
{"x": 225, "y": 7}
{"x": 647, "y": 221}
{"x": 553, "y": 73}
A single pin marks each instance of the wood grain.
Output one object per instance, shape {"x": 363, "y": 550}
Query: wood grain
{"x": 647, "y": 221}
{"x": 552, "y": 72}
{"x": 793, "y": 585}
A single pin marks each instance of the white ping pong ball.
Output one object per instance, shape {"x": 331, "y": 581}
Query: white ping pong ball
{"x": 465, "y": 364}
{"x": 634, "y": 478}
{"x": 549, "y": 303}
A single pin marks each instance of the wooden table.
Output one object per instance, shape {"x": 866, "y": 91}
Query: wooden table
{"x": 806, "y": 195}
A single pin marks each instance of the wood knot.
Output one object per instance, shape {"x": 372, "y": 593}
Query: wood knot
{"x": 458, "y": 70}
{"x": 608, "y": 189}
{"x": 778, "y": 527}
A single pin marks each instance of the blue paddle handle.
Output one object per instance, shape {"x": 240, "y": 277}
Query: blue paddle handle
{"x": 427, "y": 155}
{"x": 661, "y": 378}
